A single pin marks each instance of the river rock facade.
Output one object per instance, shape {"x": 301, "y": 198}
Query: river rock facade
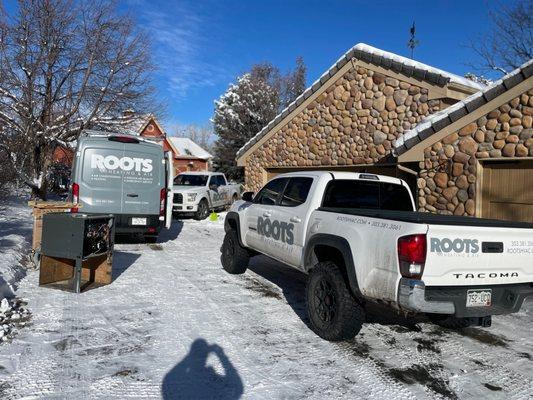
{"x": 449, "y": 172}
{"x": 355, "y": 121}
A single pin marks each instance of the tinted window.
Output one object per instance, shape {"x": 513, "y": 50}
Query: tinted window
{"x": 270, "y": 193}
{"x": 367, "y": 195}
{"x": 220, "y": 180}
{"x": 296, "y": 192}
{"x": 190, "y": 180}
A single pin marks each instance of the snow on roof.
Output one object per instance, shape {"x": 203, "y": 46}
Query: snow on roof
{"x": 187, "y": 147}
{"x": 443, "y": 118}
{"x": 378, "y": 57}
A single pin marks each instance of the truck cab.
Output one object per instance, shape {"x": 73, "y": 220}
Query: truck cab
{"x": 197, "y": 193}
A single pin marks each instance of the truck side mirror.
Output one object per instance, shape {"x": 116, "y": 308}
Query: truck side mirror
{"x": 213, "y": 186}
{"x": 248, "y": 196}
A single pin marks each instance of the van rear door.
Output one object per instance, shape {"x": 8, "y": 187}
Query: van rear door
{"x": 121, "y": 178}
{"x": 143, "y": 178}
{"x": 99, "y": 180}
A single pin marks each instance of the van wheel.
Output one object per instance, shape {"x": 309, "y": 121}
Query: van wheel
{"x": 203, "y": 210}
{"x": 447, "y": 321}
{"x": 150, "y": 238}
{"x": 234, "y": 257}
{"x": 333, "y": 312}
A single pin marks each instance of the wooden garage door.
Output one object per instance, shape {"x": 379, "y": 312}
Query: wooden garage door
{"x": 507, "y": 191}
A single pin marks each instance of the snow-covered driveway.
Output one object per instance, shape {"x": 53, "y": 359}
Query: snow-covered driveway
{"x": 173, "y": 324}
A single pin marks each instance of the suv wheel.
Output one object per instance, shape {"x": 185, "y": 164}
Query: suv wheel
{"x": 203, "y": 210}
{"x": 334, "y": 313}
{"x": 234, "y": 257}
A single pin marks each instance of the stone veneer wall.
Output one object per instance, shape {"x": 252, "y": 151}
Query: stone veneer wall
{"x": 447, "y": 183}
{"x": 355, "y": 121}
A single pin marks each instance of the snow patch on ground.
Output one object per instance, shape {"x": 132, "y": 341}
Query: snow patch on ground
{"x": 173, "y": 324}
{"x": 15, "y": 238}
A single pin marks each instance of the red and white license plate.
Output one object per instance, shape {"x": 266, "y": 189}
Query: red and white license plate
{"x": 479, "y": 298}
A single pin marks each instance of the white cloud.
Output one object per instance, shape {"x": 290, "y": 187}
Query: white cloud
{"x": 180, "y": 47}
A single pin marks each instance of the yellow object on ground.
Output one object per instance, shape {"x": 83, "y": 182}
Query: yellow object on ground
{"x": 213, "y": 216}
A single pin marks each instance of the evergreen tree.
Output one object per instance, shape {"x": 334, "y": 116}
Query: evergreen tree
{"x": 250, "y": 104}
{"x": 240, "y": 113}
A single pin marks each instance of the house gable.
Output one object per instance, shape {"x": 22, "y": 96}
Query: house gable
{"x": 439, "y": 85}
{"x": 410, "y": 147}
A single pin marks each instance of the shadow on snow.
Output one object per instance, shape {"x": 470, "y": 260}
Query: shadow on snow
{"x": 193, "y": 378}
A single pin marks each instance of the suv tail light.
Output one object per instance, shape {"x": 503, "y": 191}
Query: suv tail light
{"x": 75, "y": 196}
{"x": 412, "y": 255}
{"x": 162, "y": 200}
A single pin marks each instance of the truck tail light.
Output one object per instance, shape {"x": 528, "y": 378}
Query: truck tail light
{"x": 162, "y": 198}
{"x": 412, "y": 255}
{"x": 75, "y": 196}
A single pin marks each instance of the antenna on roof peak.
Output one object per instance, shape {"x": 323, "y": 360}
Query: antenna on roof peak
{"x": 412, "y": 43}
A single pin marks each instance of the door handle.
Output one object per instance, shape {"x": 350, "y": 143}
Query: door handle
{"x": 132, "y": 195}
{"x": 296, "y": 220}
{"x": 267, "y": 214}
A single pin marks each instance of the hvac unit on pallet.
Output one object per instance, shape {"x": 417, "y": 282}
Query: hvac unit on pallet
{"x": 76, "y": 251}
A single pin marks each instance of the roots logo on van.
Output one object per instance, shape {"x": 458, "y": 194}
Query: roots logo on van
{"x": 276, "y": 230}
{"x": 125, "y": 163}
{"x": 446, "y": 245}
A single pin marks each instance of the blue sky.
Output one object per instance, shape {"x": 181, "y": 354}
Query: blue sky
{"x": 201, "y": 46}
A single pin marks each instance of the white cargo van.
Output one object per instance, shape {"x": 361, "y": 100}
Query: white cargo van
{"x": 127, "y": 176}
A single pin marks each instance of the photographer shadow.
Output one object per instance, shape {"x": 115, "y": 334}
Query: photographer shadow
{"x": 192, "y": 378}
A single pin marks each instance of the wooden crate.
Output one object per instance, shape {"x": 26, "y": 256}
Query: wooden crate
{"x": 59, "y": 272}
{"x": 45, "y": 207}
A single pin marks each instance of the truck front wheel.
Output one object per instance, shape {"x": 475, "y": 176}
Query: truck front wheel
{"x": 234, "y": 257}
{"x": 334, "y": 313}
{"x": 203, "y": 210}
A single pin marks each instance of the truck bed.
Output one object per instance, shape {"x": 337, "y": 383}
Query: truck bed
{"x": 427, "y": 218}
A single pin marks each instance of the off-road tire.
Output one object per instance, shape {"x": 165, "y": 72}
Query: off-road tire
{"x": 203, "y": 210}
{"x": 234, "y": 257}
{"x": 339, "y": 316}
{"x": 449, "y": 322}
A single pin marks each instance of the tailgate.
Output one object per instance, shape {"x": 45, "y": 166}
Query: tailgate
{"x": 470, "y": 255}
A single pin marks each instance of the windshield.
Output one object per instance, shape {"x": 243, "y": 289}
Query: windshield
{"x": 190, "y": 180}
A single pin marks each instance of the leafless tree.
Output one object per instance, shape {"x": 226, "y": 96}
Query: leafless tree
{"x": 202, "y": 135}
{"x": 65, "y": 66}
{"x": 509, "y": 43}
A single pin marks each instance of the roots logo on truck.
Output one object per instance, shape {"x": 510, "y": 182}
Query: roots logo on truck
{"x": 276, "y": 230}
{"x": 124, "y": 163}
{"x": 447, "y": 245}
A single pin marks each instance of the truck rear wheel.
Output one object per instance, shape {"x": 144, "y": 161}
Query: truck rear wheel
{"x": 333, "y": 312}
{"x": 234, "y": 257}
{"x": 203, "y": 210}
{"x": 447, "y": 321}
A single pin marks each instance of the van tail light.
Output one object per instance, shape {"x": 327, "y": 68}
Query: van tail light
{"x": 163, "y": 199}
{"x": 75, "y": 196}
{"x": 412, "y": 255}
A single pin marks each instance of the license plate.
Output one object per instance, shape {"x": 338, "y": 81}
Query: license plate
{"x": 479, "y": 298}
{"x": 138, "y": 221}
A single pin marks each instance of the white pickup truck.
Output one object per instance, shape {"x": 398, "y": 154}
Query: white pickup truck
{"x": 197, "y": 193}
{"x": 359, "y": 239}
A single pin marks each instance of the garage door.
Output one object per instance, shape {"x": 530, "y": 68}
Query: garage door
{"x": 507, "y": 191}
